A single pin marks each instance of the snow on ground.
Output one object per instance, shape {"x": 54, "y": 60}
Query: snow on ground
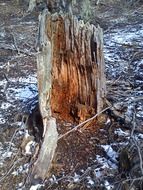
{"x": 21, "y": 169}
{"x": 118, "y": 45}
{"x": 7, "y": 150}
{"x": 2, "y": 119}
{"x": 123, "y": 50}
{"x": 110, "y": 153}
{"x": 108, "y": 186}
{"x": 24, "y": 92}
{"x": 36, "y": 187}
{"x": 120, "y": 132}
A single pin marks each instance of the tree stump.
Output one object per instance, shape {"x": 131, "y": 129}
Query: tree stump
{"x": 71, "y": 78}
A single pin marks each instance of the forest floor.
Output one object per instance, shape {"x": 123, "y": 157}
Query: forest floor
{"x": 89, "y": 157}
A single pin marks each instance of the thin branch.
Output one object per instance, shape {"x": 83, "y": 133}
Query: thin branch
{"x": 7, "y": 83}
{"x": 134, "y": 123}
{"x": 133, "y": 179}
{"x": 84, "y": 122}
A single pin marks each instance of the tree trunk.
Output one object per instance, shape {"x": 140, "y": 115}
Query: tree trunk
{"x": 71, "y": 78}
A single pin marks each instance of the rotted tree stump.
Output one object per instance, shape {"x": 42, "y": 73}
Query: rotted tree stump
{"x": 71, "y": 78}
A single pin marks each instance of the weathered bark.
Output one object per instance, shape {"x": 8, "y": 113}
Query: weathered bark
{"x": 43, "y": 163}
{"x": 71, "y": 77}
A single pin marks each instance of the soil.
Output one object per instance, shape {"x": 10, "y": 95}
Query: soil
{"x": 88, "y": 157}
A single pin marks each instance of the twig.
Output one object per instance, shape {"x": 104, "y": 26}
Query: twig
{"x": 134, "y": 123}
{"x": 6, "y": 77}
{"x": 116, "y": 80}
{"x": 84, "y": 122}
{"x": 7, "y": 83}
{"x": 89, "y": 169}
{"x": 133, "y": 179}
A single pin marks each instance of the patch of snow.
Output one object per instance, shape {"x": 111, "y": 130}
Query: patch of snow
{"x": 36, "y": 187}
{"x": 7, "y": 154}
{"x": 30, "y": 79}
{"x": 98, "y": 172}
{"x": 119, "y": 20}
{"x": 102, "y": 130}
{"x": 21, "y": 169}
{"x": 108, "y": 186}
{"x": 20, "y": 132}
{"x": 3, "y": 82}
{"x": 5, "y": 151}
{"x": 51, "y": 180}
{"x": 119, "y": 144}
{"x": 28, "y": 147}
{"x": 2, "y": 120}
{"x": 120, "y": 132}
{"x": 15, "y": 173}
{"x": 31, "y": 23}
{"x": 2, "y": 32}
{"x": 108, "y": 121}
{"x": 20, "y": 184}
{"x": 105, "y": 164}
{"x": 140, "y": 136}
{"x": 26, "y": 134}
{"x": 117, "y": 49}
{"x": 23, "y": 93}
{"x": 76, "y": 177}
{"x": 110, "y": 152}
{"x": 54, "y": 179}
{"x": 18, "y": 171}
{"x": 2, "y": 66}
{"x": 90, "y": 181}
{"x": 82, "y": 171}
{"x": 126, "y": 35}
{"x": 130, "y": 110}
{"x": 5, "y": 105}
{"x": 140, "y": 114}
{"x": 1, "y": 164}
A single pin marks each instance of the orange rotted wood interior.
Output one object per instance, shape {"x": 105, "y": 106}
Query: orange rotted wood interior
{"x": 76, "y": 67}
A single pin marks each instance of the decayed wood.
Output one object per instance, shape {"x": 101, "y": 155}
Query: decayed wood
{"x": 71, "y": 77}
{"x": 43, "y": 163}
{"x": 77, "y": 65}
